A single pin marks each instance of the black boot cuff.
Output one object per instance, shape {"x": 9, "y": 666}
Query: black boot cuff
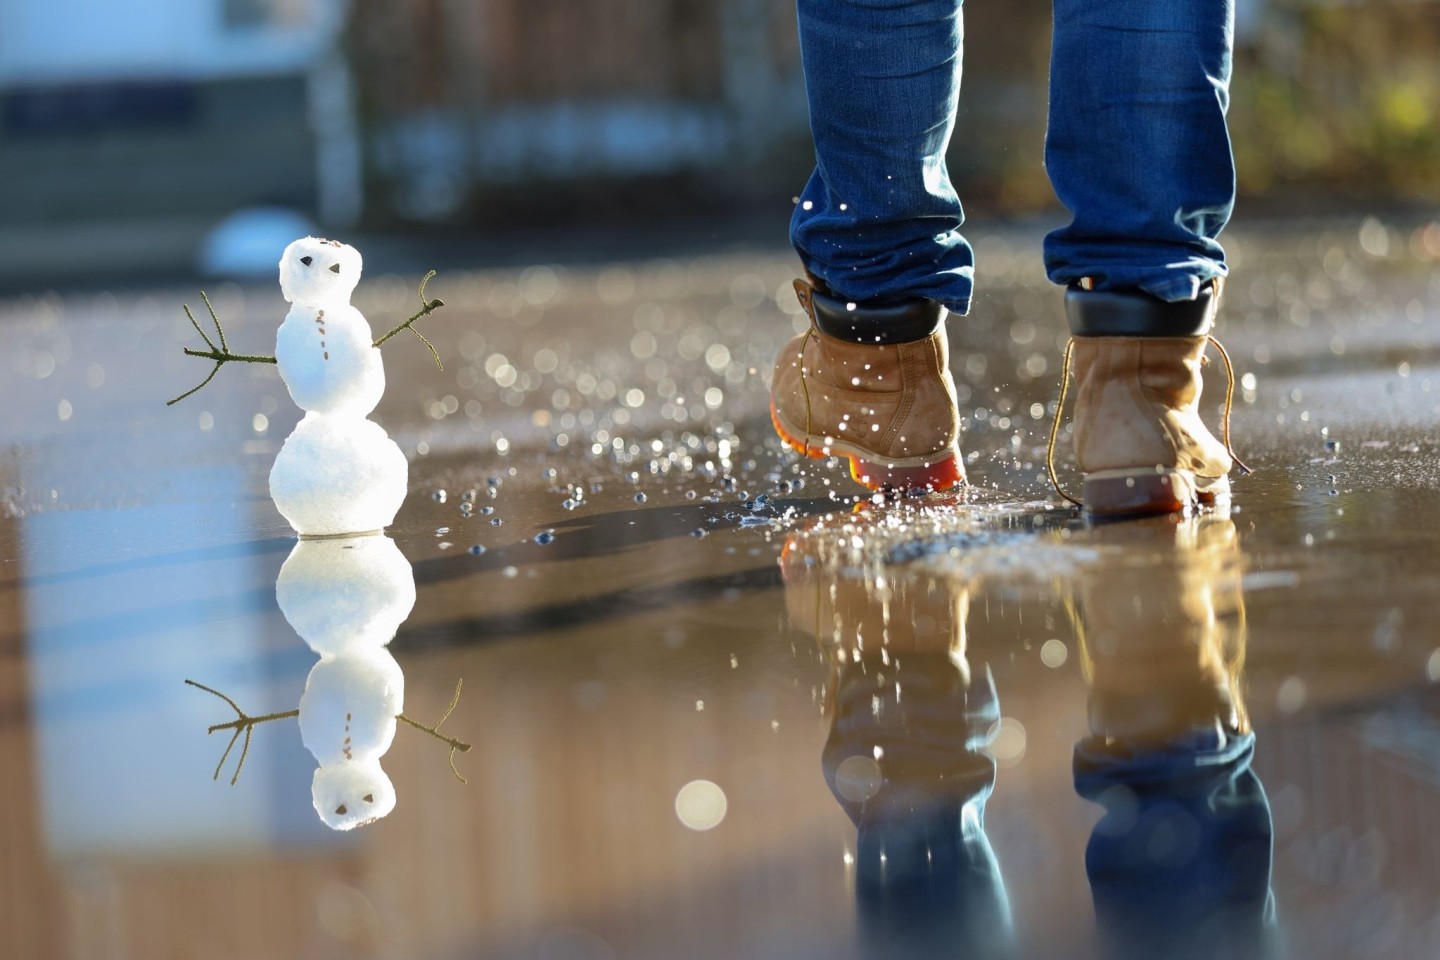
{"x": 1132, "y": 313}
{"x": 889, "y": 323}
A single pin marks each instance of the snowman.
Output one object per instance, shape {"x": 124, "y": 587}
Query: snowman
{"x": 346, "y": 597}
{"x": 338, "y": 472}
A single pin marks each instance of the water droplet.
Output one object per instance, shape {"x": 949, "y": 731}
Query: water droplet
{"x": 640, "y": 498}
{"x": 438, "y": 496}
{"x": 476, "y": 550}
{"x": 544, "y": 537}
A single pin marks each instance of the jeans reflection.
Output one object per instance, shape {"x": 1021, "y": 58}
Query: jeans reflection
{"x": 1179, "y": 863}
{"x": 904, "y": 757}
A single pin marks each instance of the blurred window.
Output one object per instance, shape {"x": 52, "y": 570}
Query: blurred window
{"x": 251, "y": 14}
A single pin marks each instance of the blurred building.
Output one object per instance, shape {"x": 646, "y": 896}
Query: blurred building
{"x": 127, "y": 130}
{"x": 463, "y": 101}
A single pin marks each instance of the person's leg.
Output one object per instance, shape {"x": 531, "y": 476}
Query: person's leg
{"x": 1139, "y": 152}
{"x": 1137, "y": 147}
{"x": 877, "y": 231}
{"x": 879, "y": 220}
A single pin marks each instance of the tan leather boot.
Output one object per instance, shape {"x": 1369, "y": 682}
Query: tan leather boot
{"x": 1139, "y": 439}
{"x": 872, "y": 384}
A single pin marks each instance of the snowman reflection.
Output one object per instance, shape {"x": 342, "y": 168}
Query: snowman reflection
{"x": 345, "y": 597}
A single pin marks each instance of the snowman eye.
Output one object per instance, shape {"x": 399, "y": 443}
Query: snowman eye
{"x": 307, "y": 260}
{"x": 340, "y": 810}
{"x": 368, "y": 798}
{"x": 334, "y": 268}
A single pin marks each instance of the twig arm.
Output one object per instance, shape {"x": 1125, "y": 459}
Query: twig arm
{"x": 221, "y": 357}
{"x": 426, "y": 307}
{"x": 221, "y": 354}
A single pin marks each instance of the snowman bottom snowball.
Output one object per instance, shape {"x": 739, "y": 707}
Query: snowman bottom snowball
{"x": 337, "y": 475}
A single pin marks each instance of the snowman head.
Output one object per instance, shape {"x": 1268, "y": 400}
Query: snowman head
{"x": 350, "y": 795}
{"x": 318, "y": 271}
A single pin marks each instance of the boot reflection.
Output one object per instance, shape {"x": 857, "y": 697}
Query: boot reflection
{"x": 1179, "y": 864}
{"x": 903, "y": 759}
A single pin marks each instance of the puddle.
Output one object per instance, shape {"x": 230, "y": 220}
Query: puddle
{"x": 719, "y": 704}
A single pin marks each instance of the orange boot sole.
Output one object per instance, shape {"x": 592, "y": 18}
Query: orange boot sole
{"x": 911, "y": 475}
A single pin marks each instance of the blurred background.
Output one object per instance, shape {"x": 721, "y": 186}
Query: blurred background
{"x": 154, "y": 136}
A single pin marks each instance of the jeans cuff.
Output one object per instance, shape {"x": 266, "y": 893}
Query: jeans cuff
{"x": 1138, "y": 313}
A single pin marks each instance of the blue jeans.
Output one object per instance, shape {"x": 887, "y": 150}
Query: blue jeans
{"x": 1137, "y": 148}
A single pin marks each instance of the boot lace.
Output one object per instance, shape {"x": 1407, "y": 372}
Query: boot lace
{"x": 1066, "y": 366}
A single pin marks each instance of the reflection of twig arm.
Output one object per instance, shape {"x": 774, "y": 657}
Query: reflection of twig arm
{"x": 221, "y": 354}
{"x": 454, "y": 742}
{"x": 243, "y": 723}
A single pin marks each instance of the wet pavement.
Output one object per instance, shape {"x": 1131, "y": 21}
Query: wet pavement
{"x": 716, "y": 705}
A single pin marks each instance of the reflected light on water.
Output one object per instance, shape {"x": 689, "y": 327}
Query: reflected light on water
{"x": 858, "y": 778}
{"x": 701, "y": 805}
{"x": 1007, "y": 741}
